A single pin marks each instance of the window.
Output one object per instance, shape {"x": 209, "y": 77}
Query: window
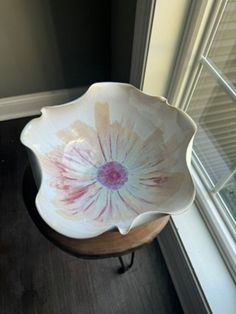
{"x": 202, "y": 82}
{"x": 208, "y": 94}
{"x": 213, "y": 107}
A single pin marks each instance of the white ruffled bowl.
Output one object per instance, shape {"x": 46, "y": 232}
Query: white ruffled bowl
{"x": 113, "y": 158}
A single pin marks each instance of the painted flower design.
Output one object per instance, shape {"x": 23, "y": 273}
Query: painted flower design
{"x": 108, "y": 173}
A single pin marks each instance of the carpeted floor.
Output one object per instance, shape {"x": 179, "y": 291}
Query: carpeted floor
{"x": 37, "y": 277}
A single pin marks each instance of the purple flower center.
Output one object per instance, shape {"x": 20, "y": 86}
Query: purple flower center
{"x": 112, "y": 175}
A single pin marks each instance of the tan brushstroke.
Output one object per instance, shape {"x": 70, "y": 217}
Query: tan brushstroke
{"x": 102, "y": 122}
{"x": 152, "y": 149}
{"x": 66, "y": 135}
{"x": 155, "y": 139}
{"x": 86, "y": 133}
{"x": 102, "y": 119}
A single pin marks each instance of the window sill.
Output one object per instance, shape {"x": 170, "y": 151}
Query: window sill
{"x": 199, "y": 273}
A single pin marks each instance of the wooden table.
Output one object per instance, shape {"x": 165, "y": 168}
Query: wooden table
{"x": 109, "y": 244}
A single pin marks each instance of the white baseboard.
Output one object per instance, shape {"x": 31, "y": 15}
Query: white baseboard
{"x": 31, "y": 104}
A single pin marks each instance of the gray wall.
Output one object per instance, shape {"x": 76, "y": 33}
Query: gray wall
{"x": 53, "y": 44}
{"x": 122, "y": 31}
{"x": 47, "y": 45}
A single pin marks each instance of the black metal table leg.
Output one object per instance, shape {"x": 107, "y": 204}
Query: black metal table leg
{"x": 124, "y": 268}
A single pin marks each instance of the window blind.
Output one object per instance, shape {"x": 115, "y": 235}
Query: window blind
{"x": 212, "y": 107}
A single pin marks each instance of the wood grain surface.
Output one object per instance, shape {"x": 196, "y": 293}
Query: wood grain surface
{"x": 38, "y": 278}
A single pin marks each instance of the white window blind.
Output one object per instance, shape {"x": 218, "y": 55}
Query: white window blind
{"x": 213, "y": 107}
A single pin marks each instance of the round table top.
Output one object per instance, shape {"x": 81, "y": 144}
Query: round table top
{"x": 108, "y": 244}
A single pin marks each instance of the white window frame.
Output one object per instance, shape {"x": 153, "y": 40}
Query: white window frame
{"x": 200, "y": 275}
{"x": 179, "y": 93}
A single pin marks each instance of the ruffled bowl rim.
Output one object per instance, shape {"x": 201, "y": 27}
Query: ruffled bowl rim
{"x": 141, "y": 218}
